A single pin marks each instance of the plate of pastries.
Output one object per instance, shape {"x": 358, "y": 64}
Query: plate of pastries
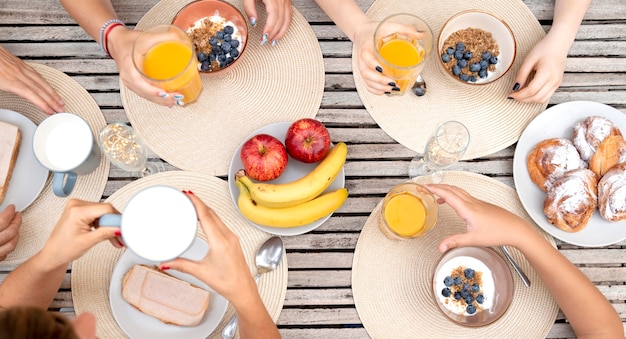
{"x": 569, "y": 170}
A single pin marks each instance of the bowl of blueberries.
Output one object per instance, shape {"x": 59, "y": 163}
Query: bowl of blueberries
{"x": 476, "y": 47}
{"x": 219, "y": 33}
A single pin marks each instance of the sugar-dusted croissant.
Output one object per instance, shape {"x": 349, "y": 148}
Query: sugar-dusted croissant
{"x": 571, "y": 200}
{"x": 589, "y": 133}
{"x": 610, "y": 152}
{"x": 550, "y": 159}
{"x": 612, "y": 194}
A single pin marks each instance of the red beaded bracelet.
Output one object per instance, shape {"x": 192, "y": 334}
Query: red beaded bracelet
{"x": 106, "y": 36}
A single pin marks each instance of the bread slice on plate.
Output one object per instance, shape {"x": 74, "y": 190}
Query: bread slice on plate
{"x": 167, "y": 298}
{"x": 10, "y": 140}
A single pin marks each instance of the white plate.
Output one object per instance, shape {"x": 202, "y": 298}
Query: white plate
{"x": 29, "y": 176}
{"x": 557, "y": 122}
{"x": 139, "y": 325}
{"x": 294, "y": 171}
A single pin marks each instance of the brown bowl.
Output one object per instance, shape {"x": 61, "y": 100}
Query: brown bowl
{"x": 219, "y": 13}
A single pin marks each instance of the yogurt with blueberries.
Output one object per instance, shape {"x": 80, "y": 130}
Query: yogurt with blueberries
{"x": 218, "y": 42}
{"x": 465, "y": 286}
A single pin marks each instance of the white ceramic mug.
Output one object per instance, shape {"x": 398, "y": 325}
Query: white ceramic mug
{"x": 158, "y": 224}
{"x": 64, "y": 144}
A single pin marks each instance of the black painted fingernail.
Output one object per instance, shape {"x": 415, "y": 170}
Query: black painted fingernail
{"x": 379, "y": 69}
{"x": 387, "y": 92}
{"x": 391, "y": 83}
{"x": 516, "y": 87}
{"x": 509, "y": 98}
{"x": 395, "y": 88}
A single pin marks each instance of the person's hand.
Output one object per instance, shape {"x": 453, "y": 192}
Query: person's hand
{"x": 279, "y": 15}
{"x": 76, "y": 231}
{"x": 19, "y": 78}
{"x": 546, "y": 61}
{"x": 10, "y": 221}
{"x": 487, "y": 224}
{"x": 224, "y": 268}
{"x": 120, "y": 42}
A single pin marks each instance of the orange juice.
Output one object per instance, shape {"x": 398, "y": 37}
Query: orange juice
{"x": 171, "y": 65}
{"x": 405, "y": 214}
{"x": 403, "y": 60}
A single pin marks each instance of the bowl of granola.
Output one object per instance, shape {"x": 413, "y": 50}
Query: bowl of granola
{"x": 476, "y": 47}
{"x": 219, "y": 33}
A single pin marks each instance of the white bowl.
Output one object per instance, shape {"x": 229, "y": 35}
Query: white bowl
{"x": 500, "y": 31}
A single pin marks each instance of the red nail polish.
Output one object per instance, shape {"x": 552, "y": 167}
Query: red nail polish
{"x": 163, "y": 267}
{"x": 118, "y": 233}
{"x": 184, "y": 191}
{"x": 190, "y": 192}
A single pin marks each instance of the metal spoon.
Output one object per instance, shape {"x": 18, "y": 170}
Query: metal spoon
{"x": 516, "y": 267}
{"x": 419, "y": 87}
{"x": 268, "y": 256}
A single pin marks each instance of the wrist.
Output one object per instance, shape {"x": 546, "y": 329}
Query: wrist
{"x": 116, "y": 41}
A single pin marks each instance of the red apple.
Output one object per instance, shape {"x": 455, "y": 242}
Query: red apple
{"x": 264, "y": 157}
{"x": 307, "y": 140}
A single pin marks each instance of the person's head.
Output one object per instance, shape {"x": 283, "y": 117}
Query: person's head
{"x": 31, "y": 322}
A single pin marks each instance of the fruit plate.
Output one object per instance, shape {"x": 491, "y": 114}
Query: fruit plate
{"x": 140, "y": 325}
{"x": 294, "y": 171}
{"x": 498, "y": 296}
{"x": 29, "y": 176}
{"x": 557, "y": 122}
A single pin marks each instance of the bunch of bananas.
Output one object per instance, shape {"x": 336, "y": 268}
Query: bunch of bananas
{"x": 296, "y": 203}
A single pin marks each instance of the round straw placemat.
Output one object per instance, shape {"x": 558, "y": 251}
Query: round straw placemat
{"x": 494, "y": 122}
{"x": 392, "y": 280}
{"x": 41, "y": 216}
{"x": 91, "y": 273}
{"x": 269, "y": 84}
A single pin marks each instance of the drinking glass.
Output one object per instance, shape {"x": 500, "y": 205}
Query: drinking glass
{"x": 125, "y": 149}
{"x": 445, "y": 147}
{"x": 402, "y": 43}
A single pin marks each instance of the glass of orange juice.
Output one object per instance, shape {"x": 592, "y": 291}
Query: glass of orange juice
{"x": 165, "y": 55}
{"x": 402, "y": 43}
{"x": 409, "y": 211}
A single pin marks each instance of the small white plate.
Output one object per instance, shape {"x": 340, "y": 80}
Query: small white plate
{"x": 140, "y": 325}
{"x": 29, "y": 176}
{"x": 558, "y": 122}
{"x": 294, "y": 171}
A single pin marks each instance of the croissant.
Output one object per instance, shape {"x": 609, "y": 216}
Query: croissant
{"x": 571, "y": 200}
{"x": 589, "y": 133}
{"x": 612, "y": 194}
{"x": 550, "y": 159}
{"x": 610, "y": 152}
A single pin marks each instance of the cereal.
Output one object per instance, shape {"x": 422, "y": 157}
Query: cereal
{"x": 473, "y": 50}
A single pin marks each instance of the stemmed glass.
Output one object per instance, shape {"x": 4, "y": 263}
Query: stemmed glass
{"x": 126, "y": 150}
{"x": 444, "y": 148}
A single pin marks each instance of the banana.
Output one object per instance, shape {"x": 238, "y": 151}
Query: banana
{"x": 301, "y": 190}
{"x": 293, "y": 216}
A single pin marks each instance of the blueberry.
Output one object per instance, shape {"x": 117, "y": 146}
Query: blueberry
{"x": 482, "y": 73}
{"x": 418, "y": 91}
{"x": 480, "y": 298}
{"x": 226, "y": 46}
{"x": 450, "y": 51}
{"x": 466, "y": 287}
{"x": 475, "y": 288}
{"x": 465, "y": 294}
{"x": 475, "y": 67}
{"x": 228, "y": 37}
{"x": 471, "y": 309}
{"x": 457, "y": 280}
{"x": 229, "y": 60}
{"x": 457, "y": 296}
{"x": 473, "y": 78}
{"x": 206, "y": 65}
{"x": 484, "y": 64}
{"x": 234, "y": 43}
{"x": 201, "y": 56}
{"x": 469, "y": 299}
{"x": 220, "y": 34}
{"x": 213, "y": 41}
{"x": 212, "y": 57}
{"x": 456, "y": 70}
{"x": 448, "y": 281}
{"x": 458, "y": 55}
{"x": 217, "y": 50}
{"x": 467, "y": 55}
{"x": 460, "y": 46}
{"x": 469, "y": 273}
{"x": 221, "y": 58}
{"x": 486, "y": 55}
{"x": 493, "y": 60}
{"x": 464, "y": 77}
{"x": 446, "y": 292}
{"x": 445, "y": 57}
{"x": 234, "y": 53}
{"x": 462, "y": 63}
{"x": 228, "y": 29}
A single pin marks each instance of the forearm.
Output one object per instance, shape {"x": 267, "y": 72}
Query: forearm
{"x": 567, "y": 18}
{"x": 254, "y": 321}
{"x": 90, "y": 14}
{"x": 346, "y": 14}
{"x": 587, "y": 310}
{"x": 33, "y": 283}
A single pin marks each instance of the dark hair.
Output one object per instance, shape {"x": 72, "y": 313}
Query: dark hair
{"x": 26, "y": 322}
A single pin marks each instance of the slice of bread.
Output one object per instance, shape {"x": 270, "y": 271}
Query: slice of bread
{"x": 164, "y": 297}
{"x": 10, "y": 140}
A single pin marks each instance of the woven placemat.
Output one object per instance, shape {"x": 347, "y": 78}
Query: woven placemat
{"x": 91, "y": 273}
{"x": 494, "y": 122}
{"x": 41, "y": 216}
{"x": 392, "y": 280}
{"x": 269, "y": 84}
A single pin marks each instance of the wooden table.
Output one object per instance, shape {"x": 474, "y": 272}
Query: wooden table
{"x": 319, "y": 299}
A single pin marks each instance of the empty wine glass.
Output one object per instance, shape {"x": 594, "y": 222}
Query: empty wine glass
{"x": 125, "y": 149}
{"x": 445, "y": 147}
